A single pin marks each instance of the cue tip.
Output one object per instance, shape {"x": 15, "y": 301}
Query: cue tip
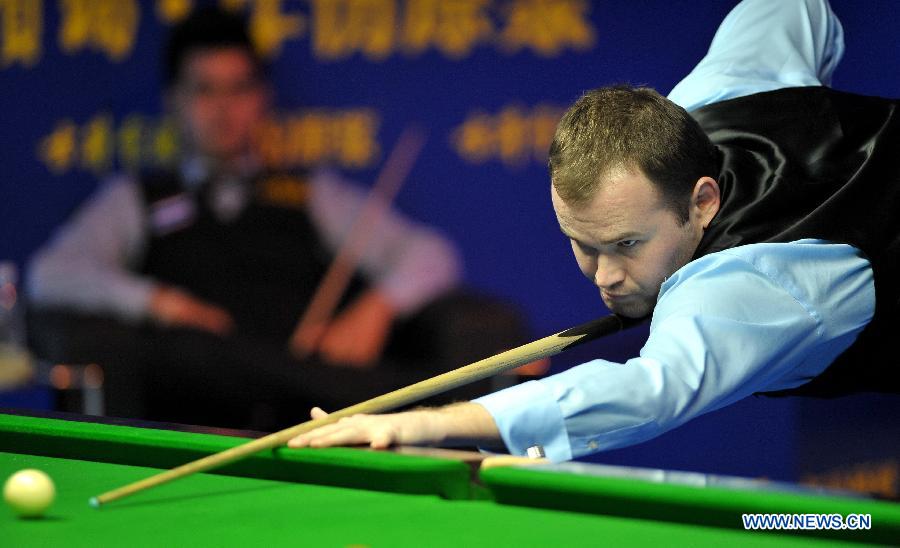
{"x": 94, "y": 502}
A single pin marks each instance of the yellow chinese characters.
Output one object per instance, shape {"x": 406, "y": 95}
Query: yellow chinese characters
{"x": 882, "y": 478}
{"x": 453, "y": 28}
{"x": 377, "y": 29}
{"x": 548, "y": 26}
{"x": 109, "y": 26}
{"x": 337, "y": 29}
{"x": 57, "y": 150}
{"x": 284, "y": 191}
{"x": 346, "y": 138}
{"x": 173, "y": 11}
{"x": 21, "y": 29}
{"x": 515, "y": 136}
{"x": 96, "y": 145}
{"x": 270, "y": 25}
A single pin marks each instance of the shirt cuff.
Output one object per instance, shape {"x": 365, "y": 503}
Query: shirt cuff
{"x": 526, "y": 415}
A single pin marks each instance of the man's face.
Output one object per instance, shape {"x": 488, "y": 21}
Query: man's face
{"x": 220, "y": 101}
{"x": 627, "y": 242}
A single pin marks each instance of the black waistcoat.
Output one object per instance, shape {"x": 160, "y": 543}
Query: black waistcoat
{"x": 262, "y": 266}
{"x": 817, "y": 163}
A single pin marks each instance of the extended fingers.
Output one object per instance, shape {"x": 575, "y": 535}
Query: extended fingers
{"x": 338, "y": 434}
{"x": 307, "y": 439}
{"x": 355, "y": 430}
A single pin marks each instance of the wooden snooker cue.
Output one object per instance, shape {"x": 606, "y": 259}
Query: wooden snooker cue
{"x": 334, "y": 283}
{"x": 548, "y": 346}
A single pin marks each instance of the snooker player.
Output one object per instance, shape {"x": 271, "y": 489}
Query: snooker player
{"x": 759, "y": 232}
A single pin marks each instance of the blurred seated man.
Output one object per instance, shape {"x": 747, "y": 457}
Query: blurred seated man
{"x": 186, "y": 285}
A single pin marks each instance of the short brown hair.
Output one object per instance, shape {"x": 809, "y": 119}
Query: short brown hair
{"x": 209, "y": 27}
{"x": 624, "y": 127}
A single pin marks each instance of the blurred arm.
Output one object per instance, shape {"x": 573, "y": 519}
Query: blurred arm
{"x": 407, "y": 263}
{"x": 87, "y": 264}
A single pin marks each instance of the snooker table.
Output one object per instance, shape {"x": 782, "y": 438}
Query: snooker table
{"x": 356, "y": 497}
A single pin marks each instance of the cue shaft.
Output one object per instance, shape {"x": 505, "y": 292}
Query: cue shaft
{"x": 336, "y": 279}
{"x": 541, "y": 348}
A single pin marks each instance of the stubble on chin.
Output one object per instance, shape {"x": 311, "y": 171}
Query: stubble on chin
{"x": 635, "y": 307}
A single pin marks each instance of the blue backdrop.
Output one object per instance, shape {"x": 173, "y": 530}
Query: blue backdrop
{"x": 80, "y": 82}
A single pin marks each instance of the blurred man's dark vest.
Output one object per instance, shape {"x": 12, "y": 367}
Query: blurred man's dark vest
{"x": 248, "y": 246}
{"x": 816, "y": 163}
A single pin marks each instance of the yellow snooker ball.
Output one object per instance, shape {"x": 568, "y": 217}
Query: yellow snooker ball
{"x": 29, "y": 492}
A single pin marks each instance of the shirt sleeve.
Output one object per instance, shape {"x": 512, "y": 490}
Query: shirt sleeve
{"x": 764, "y": 45}
{"x": 88, "y": 264}
{"x": 410, "y": 263}
{"x": 755, "y": 318}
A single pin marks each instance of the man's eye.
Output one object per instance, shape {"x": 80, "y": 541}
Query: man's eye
{"x": 627, "y": 243}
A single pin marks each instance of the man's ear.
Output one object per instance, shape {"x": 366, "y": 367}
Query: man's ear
{"x": 705, "y": 200}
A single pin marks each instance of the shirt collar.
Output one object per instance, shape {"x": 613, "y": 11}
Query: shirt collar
{"x": 196, "y": 170}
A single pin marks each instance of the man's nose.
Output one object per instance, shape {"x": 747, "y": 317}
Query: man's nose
{"x": 609, "y": 272}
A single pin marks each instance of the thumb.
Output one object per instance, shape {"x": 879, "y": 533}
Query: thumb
{"x": 317, "y": 413}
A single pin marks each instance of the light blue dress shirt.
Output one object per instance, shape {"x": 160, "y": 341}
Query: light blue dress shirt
{"x": 759, "y": 317}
